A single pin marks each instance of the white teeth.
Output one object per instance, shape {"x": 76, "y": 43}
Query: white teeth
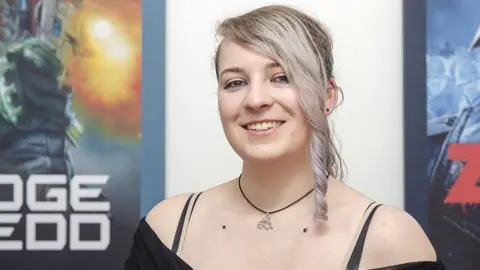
{"x": 264, "y": 125}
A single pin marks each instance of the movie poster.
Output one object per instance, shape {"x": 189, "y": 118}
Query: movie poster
{"x": 70, "y": 133}
{"x": 453, "y": 127}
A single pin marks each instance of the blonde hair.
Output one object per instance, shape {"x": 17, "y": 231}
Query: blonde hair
{"x": 303, "y": 47}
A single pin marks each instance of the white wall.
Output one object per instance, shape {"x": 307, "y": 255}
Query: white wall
{"x": 368, "y": 54}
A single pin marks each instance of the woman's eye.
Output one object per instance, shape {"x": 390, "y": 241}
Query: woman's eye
{"x": 235, "y": 83}
{"x": 281, "y": 79}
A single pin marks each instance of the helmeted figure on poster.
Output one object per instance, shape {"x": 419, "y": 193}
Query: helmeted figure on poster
{"x": 37, "y": 126}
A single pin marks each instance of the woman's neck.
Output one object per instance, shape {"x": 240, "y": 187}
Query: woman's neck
{"x": 271, "y": 186}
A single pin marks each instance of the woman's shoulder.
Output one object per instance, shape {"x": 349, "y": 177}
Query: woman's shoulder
{"x": 152, "y": 242}
{"x": 395, "y": 237}
{"x": 163, "y": 218}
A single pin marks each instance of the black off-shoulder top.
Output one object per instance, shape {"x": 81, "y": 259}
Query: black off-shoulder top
{"x": 148, "y": 252}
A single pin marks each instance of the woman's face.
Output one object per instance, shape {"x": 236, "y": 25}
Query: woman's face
{"x": 260, "y": 111}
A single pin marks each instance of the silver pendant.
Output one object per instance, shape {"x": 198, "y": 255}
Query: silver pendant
{"x": 265, "y": 223}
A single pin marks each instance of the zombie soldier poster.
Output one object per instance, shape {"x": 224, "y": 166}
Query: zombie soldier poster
{"x": 443, "y": 167}
{"x": 69, "y": 132}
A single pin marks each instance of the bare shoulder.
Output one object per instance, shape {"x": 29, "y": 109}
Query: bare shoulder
{"x": 395, "y": 237}
{"x": 163, "y": 218}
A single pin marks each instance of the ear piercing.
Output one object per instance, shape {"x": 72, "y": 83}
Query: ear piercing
{"x": 327, "y": 109}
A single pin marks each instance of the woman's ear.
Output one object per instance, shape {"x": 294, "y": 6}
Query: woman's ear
{"x": 331, "y": 98}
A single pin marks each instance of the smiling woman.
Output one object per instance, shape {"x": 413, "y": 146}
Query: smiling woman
{"x": 276, "y": 90}
{"x": 259, "y": 108}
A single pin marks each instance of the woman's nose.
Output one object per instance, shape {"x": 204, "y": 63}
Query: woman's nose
{"x": 258, "y": 98}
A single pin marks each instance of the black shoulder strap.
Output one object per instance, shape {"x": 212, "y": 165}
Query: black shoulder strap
{"x": 182, "y": 221}
{"x": 356, "y": 256}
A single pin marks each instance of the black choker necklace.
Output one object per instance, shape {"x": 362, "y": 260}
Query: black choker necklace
{"x": 265, "y": 223}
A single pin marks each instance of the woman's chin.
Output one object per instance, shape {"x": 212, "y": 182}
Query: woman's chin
{"x": 264, "y": 153}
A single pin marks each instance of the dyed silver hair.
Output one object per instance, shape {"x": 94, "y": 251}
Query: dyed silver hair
{"x": 303, "y": 47}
